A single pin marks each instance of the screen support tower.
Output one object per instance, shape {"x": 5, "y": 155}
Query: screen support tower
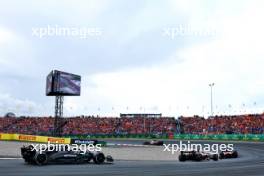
{"x": 58, "y": 124}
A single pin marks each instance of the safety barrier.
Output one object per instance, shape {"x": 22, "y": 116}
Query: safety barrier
{"x": 33, "y": 138}
{"x": 138, "y": 136}
{"x": 87, "y": 141}
{"x": 68, "y": 139}
{"x": 238, "y": 137}
{"x": 235, "y": 137}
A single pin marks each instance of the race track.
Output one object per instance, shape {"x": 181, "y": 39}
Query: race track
{"x": 249, "y": 163}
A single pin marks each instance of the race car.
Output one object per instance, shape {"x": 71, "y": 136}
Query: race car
{"x": 153, "y": 142}
{"x": 197, "y": 156}
{"x": 228, "y": 154}
{"x": 32, "y": 156}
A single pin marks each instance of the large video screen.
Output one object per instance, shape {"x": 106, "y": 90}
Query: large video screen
{"x": 62, "y": 83}
{"x": 69, "y": 84}
{"x": 49, "y": 84}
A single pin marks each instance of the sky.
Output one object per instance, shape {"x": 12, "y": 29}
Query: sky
{"x": 137, "y": 56}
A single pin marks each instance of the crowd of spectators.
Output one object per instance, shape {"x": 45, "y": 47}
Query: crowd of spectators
{"x": 239, "y": 124}
{"x": 26, "y": 125}
{"x": 88, "y": 125}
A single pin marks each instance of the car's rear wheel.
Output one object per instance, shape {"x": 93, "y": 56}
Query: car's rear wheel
{"x": 41, "y": 159}
{"x": 182, "y": 158}
{"x": 89, "y": 157}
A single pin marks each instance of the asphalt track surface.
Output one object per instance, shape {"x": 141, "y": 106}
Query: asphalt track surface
{"x": 249, "y": 163}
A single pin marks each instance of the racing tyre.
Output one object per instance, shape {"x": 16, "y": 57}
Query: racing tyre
{"x": 235, "y": 154}
{"x": 146, "y": 143}
{"x": 89, "y": 157}
{"x": 109, "y": 159}
{"x": 160, "y": 143}
{"x": 99, "y": 158}
{"x": 41, "y": 159}
{"x": 182, "y": 158}
{"x": 199, "y": 157}
{"x": 215, "y": 157}
{"x": 221, "y": 155}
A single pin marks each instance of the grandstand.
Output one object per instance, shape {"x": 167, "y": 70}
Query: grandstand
{"x": 235, "y": 124}
{"x": 85, "y": 125}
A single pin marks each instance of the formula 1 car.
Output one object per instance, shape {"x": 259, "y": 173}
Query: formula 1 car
{"x": 197, "y": 156}
{"x": 228, "y": 154}
{"x": 153, "y": 142}
{"x": 31, "y": 156}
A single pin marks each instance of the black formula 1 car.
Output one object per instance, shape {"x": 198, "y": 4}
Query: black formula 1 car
{"x": 228, "y": 154}
{"x": 153, "y": 142}
{"x": 197, "y": 156}
{"x": 31, "y": 156}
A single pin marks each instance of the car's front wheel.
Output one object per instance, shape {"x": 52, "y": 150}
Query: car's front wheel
{"x": 109, "y": 159}
{"x": 215, "y": 157}
{"x": 99, "y": 158}
{"x": 235, "y": 154}
{"x": 199, "y": 157}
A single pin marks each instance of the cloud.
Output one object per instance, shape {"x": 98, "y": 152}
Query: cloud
{"x": 15, "y": 53}
{"x": 19, "y": 106}
{"x": 132, "y": 67}
{"x": 232, "y": 60}
{"x": 5, "y": 36}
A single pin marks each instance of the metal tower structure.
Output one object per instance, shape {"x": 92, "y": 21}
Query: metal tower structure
{"x": 58, "y": 124}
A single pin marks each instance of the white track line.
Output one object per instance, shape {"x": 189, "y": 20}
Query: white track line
{"x": 9, "y": 158}
{"x": 127, "y": 145}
